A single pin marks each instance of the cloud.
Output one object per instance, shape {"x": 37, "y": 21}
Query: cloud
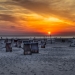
{"x": 5, "y": 17}
{"x": 65, "y": 33}
{"x": 33, "y": 6}
{"x": 3, "y": 0}
{"x": 11, "y": 18}
{"x": 12, "y": 27}
{"x": 59, "y": 8}
{"x": 29, "y": 15}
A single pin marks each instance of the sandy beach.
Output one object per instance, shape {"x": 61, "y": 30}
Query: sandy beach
{"x": 54, "y": 59}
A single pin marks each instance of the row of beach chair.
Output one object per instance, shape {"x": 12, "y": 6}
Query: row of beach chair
{"x": 28, "y": 47}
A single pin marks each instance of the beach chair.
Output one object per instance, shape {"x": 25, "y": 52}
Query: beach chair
{"x": 6, "y": 40}
{"x": 8, "y": 47}
{"x": 72, "y": 41}
{"x": 39, "y": 42}
{"x": 43, "y": 43}
{"x": 26, "y": 41}
{"x": 9, "y": 41}
{"x": 34, "y": 47}
{"x": 19, "y": 43}
{"x": 72, "y": 44}
{"x": 15, "y": 41}
{"x": 27, "y": 49}
{"x": 31, "y": 41}
{"x": 12, "y": 40}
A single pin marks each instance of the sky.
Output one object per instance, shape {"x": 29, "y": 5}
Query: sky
{"x": 37, "y": 17}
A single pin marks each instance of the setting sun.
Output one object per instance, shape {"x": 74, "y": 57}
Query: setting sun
{"x": 49, "y": 32}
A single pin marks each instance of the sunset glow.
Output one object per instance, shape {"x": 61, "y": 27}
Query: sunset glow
{"x": 37, "y": 17}
{"x": 53, "y": 19}
{"x": 49, "y": 33}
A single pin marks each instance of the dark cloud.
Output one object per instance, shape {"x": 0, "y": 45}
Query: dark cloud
{"x": 12, "y": 27}
{"x": 60, "y": 8}
{"x": 66, "y": 33}
{"x": 37, "y": 7}
{"x": 36, "y": 33}
{"x": 5, "y": 17}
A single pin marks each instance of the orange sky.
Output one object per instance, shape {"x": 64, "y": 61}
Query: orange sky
{"x": 29, "y": 17}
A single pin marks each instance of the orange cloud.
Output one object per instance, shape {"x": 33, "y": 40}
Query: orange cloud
{"x": 36, "y": 17}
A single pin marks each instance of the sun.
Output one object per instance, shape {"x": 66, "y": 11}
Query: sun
{"x": 49, "y": 33}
